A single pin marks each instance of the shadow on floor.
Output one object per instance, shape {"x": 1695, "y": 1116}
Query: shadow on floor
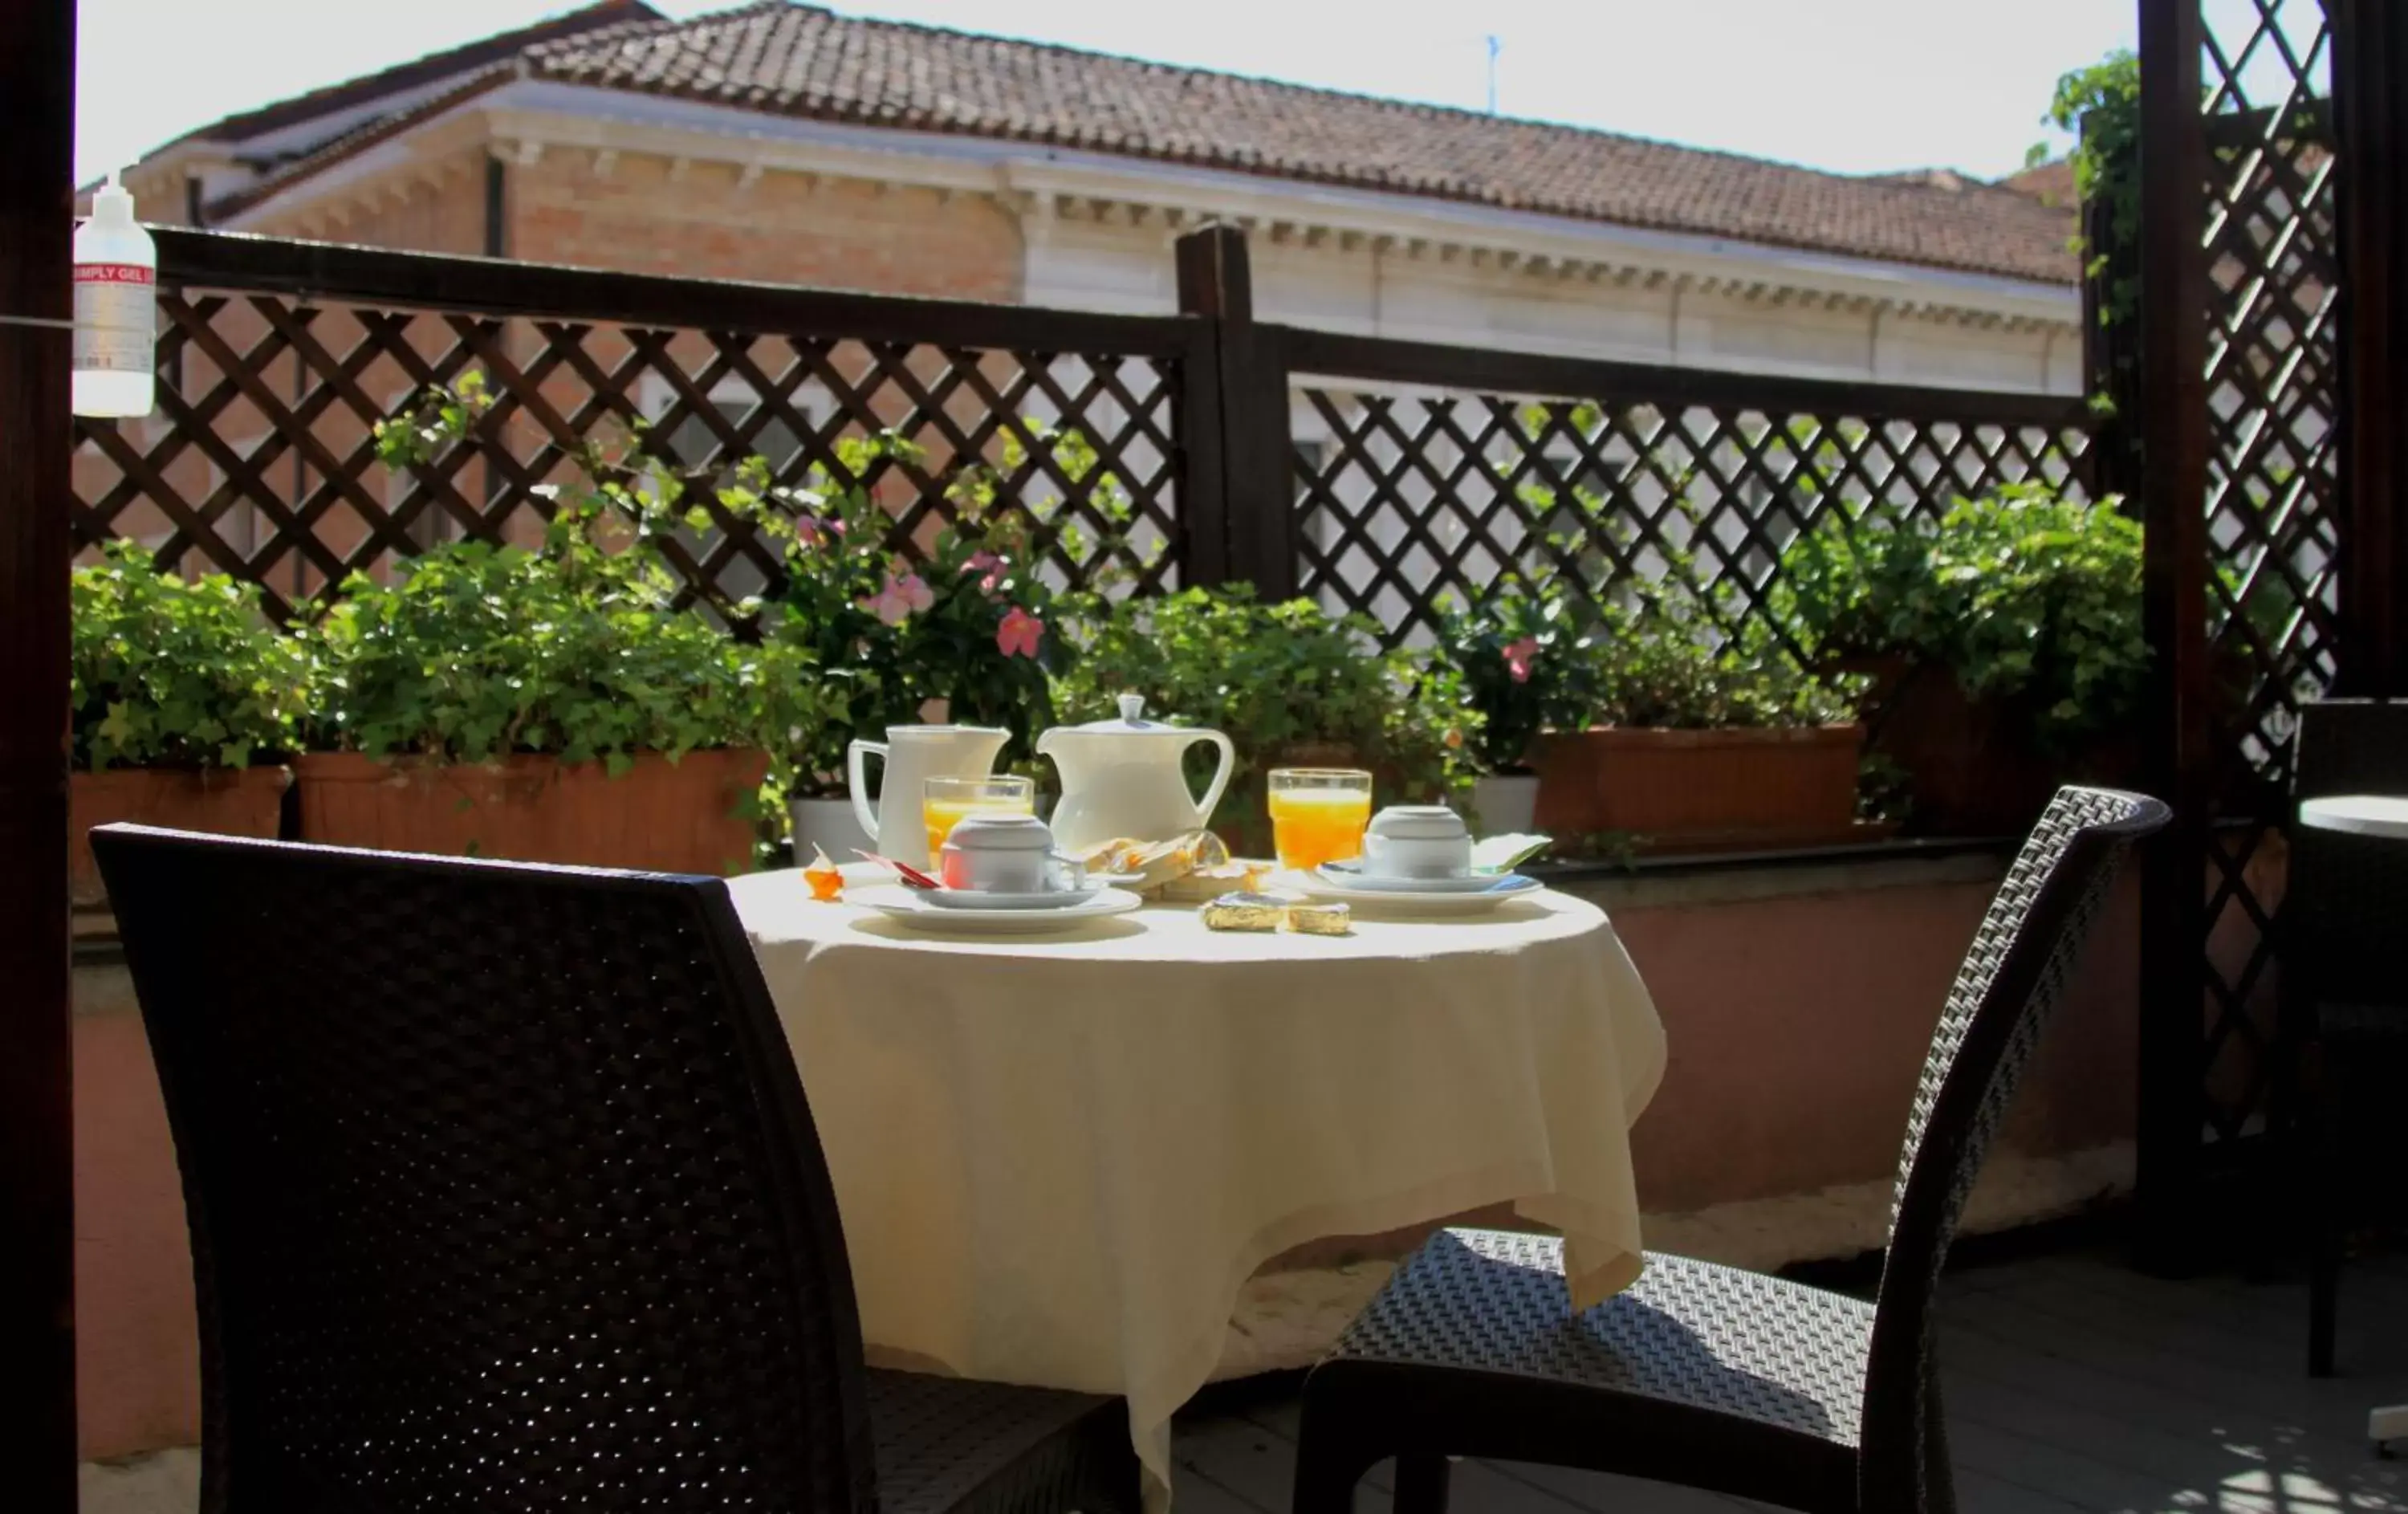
{"x": 2073, "y": 1383}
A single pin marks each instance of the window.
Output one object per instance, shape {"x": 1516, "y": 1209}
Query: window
{"x": 1318, "y": 519}
{"x": 1587, "y": 506}
{"x": 693, "y": 440}
{"x": 692, "y": 443}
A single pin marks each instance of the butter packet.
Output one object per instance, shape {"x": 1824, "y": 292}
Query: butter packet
{"x": 1244, "y": 912}
{"x": 1319, "y": 919}
{"x": 1210, "y": 883}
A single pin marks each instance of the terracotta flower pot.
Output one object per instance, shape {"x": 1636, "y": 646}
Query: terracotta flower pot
{"x": 686, "y": 816}
{"x": 1701, "y": 790}
{"x": 223, "y": 802}
{"x": 1970, "y": 764}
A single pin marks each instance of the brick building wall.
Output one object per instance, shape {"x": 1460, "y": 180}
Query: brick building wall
{"x": 647, "y": 214}
{"x": 440, "y": 208}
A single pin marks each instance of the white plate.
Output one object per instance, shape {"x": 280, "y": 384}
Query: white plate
{"x": 1441, "y": 902}
{"x": 910, "y": 907}
{"x": 975, "y": 899}
{"x": 1348, "y": 876}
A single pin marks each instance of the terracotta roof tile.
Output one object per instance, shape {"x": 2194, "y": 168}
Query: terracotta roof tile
{"x": 806, "y": 61}
{"x": 434, "y": 67}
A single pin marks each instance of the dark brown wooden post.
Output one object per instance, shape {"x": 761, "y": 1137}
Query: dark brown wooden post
{"x": 1203, "y": 440}
{"x": 1258, "y": 520}
{"x": 37, "y": 1410}
{"x": 2173, "y": 426}
{"x": 2371, "y": 124}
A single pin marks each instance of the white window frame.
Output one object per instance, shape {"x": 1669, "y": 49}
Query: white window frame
{"x": 655, "y": 395}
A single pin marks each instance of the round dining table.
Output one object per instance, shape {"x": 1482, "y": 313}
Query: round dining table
{"x": 1059, "y": 1156}
{"x": 2381, "y": 817}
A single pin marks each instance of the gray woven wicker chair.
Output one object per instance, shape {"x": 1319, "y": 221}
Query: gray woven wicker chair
{"x": 504, "y": 1196}
{"x": 2344, "y": 985}
{"x": 1703, "y": 1374}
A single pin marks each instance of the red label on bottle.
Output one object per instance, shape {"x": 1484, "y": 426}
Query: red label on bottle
{"x": 112, "y": 273}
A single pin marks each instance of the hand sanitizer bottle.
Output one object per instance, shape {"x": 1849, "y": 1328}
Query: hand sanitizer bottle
{"x": 116, "y": 306}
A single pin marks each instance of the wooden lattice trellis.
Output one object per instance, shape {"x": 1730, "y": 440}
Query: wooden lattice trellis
{"x": 2273, "y": 526}
{"x": 2274, "y": 530}
{"x": 1405, "y": 498}
{"x": 1141, "y": 444}
{"x": 261, "y": 462}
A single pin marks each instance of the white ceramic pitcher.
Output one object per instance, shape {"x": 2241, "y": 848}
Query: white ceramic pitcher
{"x": 912, "y": 754}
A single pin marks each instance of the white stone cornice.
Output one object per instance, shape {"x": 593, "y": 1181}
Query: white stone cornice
{"x": 576, "y": 113}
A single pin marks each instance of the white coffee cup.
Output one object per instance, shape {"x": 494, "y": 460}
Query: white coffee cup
{"x": 1004, "y": 853}
{"x": 1418, "y": 840}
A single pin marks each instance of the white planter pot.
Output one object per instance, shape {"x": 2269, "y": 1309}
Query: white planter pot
{"x": 1505, "y": 804}
{"x": 830, "y": 824}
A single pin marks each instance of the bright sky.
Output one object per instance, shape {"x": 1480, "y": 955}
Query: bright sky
{"x": 1851, "y": 85}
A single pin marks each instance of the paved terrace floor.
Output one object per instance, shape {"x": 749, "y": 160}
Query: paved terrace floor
{"x": 2073, "y": 1383}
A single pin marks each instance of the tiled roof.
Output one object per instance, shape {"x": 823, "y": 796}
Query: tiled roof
{"x": 435, "y": 67}
{"x": 290, "y": 168}
{"x": 806, "y": 61}
{"x": 2050, "y": 181}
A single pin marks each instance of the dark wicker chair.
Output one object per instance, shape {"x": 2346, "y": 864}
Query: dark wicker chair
{"x": 2344, "y": 986}
{"x": 1703, "y": 1374}
{"x": 504, "y": 1196}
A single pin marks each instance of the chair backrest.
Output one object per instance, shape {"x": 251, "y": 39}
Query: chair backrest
{"x": 502, "y": 1188}
{"x": 2014, "y": 975}
{"x": 2351, "y": 747}
{"x": 2341, "y": 893}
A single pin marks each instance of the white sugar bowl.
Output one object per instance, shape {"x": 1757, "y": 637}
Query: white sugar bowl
{"x": 1418, "y": 840}
{"x": 1003, "y": 853}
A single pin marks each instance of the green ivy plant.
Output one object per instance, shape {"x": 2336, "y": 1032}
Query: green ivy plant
{"x": 1275, "y": 677}
{"x": 1663, "y": 661}
{"x": 2027, "y": 597}
{"x": 472, "y": 652}
{"x": 169, "y": 672}
{"x": 2099, "y": 105}
{"x": 1523, "y": 654}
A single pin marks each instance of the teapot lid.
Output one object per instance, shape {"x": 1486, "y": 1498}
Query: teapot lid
{"x": 1133, "y": 722}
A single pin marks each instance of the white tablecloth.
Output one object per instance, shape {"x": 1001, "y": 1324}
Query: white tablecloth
{"x": 1058, "y": 1159}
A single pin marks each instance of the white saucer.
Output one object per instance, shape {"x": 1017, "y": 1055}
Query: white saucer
{"x": 1351, "y": 875}
{"x": 1492, "y": 893}
{"x": 912, "y": 907}
{"x": 984, "y": 898}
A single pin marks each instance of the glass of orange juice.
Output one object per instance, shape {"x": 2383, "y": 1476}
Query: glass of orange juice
{"x": 1318, "y": 814}
{"x": 943, "y": 802}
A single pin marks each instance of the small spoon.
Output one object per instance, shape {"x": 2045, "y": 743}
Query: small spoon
{"x": 913, "y": 878}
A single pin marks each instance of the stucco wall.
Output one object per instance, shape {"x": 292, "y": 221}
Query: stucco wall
{"x": 1797, "y": 1027}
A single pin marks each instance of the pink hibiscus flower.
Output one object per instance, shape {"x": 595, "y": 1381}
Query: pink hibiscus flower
{"x": 1019, "y": 634}
{"x": 988, "y": 564}
{"x": 1519, "y": 656}
{"x": 900, "y": 598}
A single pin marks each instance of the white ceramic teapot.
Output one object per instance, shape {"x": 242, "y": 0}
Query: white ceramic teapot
{"x": 1124, "y": 778}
